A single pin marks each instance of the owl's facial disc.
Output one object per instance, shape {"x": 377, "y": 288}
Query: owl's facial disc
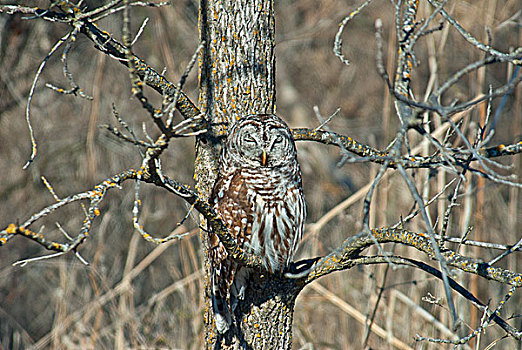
{"x": 262, "y": 146}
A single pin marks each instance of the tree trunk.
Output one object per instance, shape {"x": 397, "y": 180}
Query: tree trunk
{"x": 237, "y": 78}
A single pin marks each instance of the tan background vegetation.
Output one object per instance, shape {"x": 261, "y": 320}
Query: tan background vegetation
{"x": 159, "y": 303}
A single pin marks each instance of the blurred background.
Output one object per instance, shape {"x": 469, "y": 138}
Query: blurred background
{"x": 136, "y": 295}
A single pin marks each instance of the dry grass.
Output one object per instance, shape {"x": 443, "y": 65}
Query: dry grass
{"x": 136, "y": 295}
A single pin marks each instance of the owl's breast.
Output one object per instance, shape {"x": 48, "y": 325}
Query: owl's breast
{"x": 278, "y": 217}
{"x": 268, "y": 183}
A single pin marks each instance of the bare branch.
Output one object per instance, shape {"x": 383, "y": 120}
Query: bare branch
{"x": 350, "y": 249}
{"x": 96, "y": 195}
{"x": 380, "y": 157}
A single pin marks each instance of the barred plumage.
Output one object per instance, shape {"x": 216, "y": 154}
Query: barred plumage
{"x": 258, "y": 194}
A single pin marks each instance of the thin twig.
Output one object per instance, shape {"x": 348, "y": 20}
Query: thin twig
{"x": 30, "y": 97}
{"x": 338, "y": 43}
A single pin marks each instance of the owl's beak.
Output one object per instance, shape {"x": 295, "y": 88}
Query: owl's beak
{"x": 264, "y": 158}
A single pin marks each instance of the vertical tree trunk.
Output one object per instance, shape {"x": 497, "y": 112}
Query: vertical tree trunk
{"x": 237, "y": 78}
{"x": 237, "y": 71}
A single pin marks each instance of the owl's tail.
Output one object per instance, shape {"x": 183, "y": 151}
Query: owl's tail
{"x": 222, "y": 314}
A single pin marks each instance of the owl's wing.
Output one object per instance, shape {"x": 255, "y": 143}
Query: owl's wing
{"x": 230, "y": 199}
{"x": 297, "y": 213}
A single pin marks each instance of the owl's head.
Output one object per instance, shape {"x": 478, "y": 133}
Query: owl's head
{"x": 261, "y": 140}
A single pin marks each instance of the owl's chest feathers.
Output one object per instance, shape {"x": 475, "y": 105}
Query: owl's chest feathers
{"x": 266, "y": 183}
{"x": 275, "y": 214}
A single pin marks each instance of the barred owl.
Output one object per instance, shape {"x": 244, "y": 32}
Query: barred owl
{"x": 258, "y": 194}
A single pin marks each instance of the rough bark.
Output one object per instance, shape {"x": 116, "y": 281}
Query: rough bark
{"x": 237, "y": 78}
{"x": 264, "y": 319}
{"x": 237, "y": 71}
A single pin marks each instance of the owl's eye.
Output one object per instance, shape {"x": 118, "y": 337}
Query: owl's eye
{"x": 278, "y": 139}
{"x": 249, "y": 139}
